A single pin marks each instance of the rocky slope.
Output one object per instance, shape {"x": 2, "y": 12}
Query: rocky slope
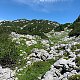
{"x": 65, "y": 55}
{"x": 56, "y": 56}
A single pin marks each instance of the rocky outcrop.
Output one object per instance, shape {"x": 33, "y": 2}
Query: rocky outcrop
{"x": 61, "y": 70}
{"x": 40, "y": 55}
{"x": 64, "y": 54}
{"x": 7, "y": 74}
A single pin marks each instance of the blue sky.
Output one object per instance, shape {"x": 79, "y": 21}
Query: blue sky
{"x": 61, "y": 11}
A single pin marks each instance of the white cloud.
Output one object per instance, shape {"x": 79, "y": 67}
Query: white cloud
{"x": 39, "y": 1}
{"x": 52, "y": 0}
{"x": 41, "y": 5}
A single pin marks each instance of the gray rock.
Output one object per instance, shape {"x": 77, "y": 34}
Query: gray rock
{"x": 72, "y": 55}
{"x": 49, "y": 77}
{"x": 55, "y": 78}
{"x": 41, "y": 54}
{"x": 78, "y": 55}
{"x": 60, "y": 63}
{"x": 73, "y": 72}
{"x": 64, "y": 79}
{"x": 6, "y": 74}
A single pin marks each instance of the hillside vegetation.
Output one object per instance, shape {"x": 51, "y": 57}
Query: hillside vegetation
{"x": 40, "y": 49}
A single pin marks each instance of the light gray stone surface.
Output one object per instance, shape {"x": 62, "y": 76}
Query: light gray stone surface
{"x": 6, "y": 74}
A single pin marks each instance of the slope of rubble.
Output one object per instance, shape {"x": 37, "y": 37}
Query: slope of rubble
{"x": 60, "y": 56}
{"x": 55, "y": 56}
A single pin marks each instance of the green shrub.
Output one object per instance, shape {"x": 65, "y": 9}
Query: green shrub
{"x": 38, "y": 27}
{"x": 62, "y": 27}
{"x": 74, "y": 77}
{"x": 8, "y": 54}
{"x": 77, "y": 20}
{"x": 33, "y": 27}
{"x": 78, "y": 61}
{"x": 35, "y": 70}
{"x": 76, "y": 30}
{"x": 59, "y": 28}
